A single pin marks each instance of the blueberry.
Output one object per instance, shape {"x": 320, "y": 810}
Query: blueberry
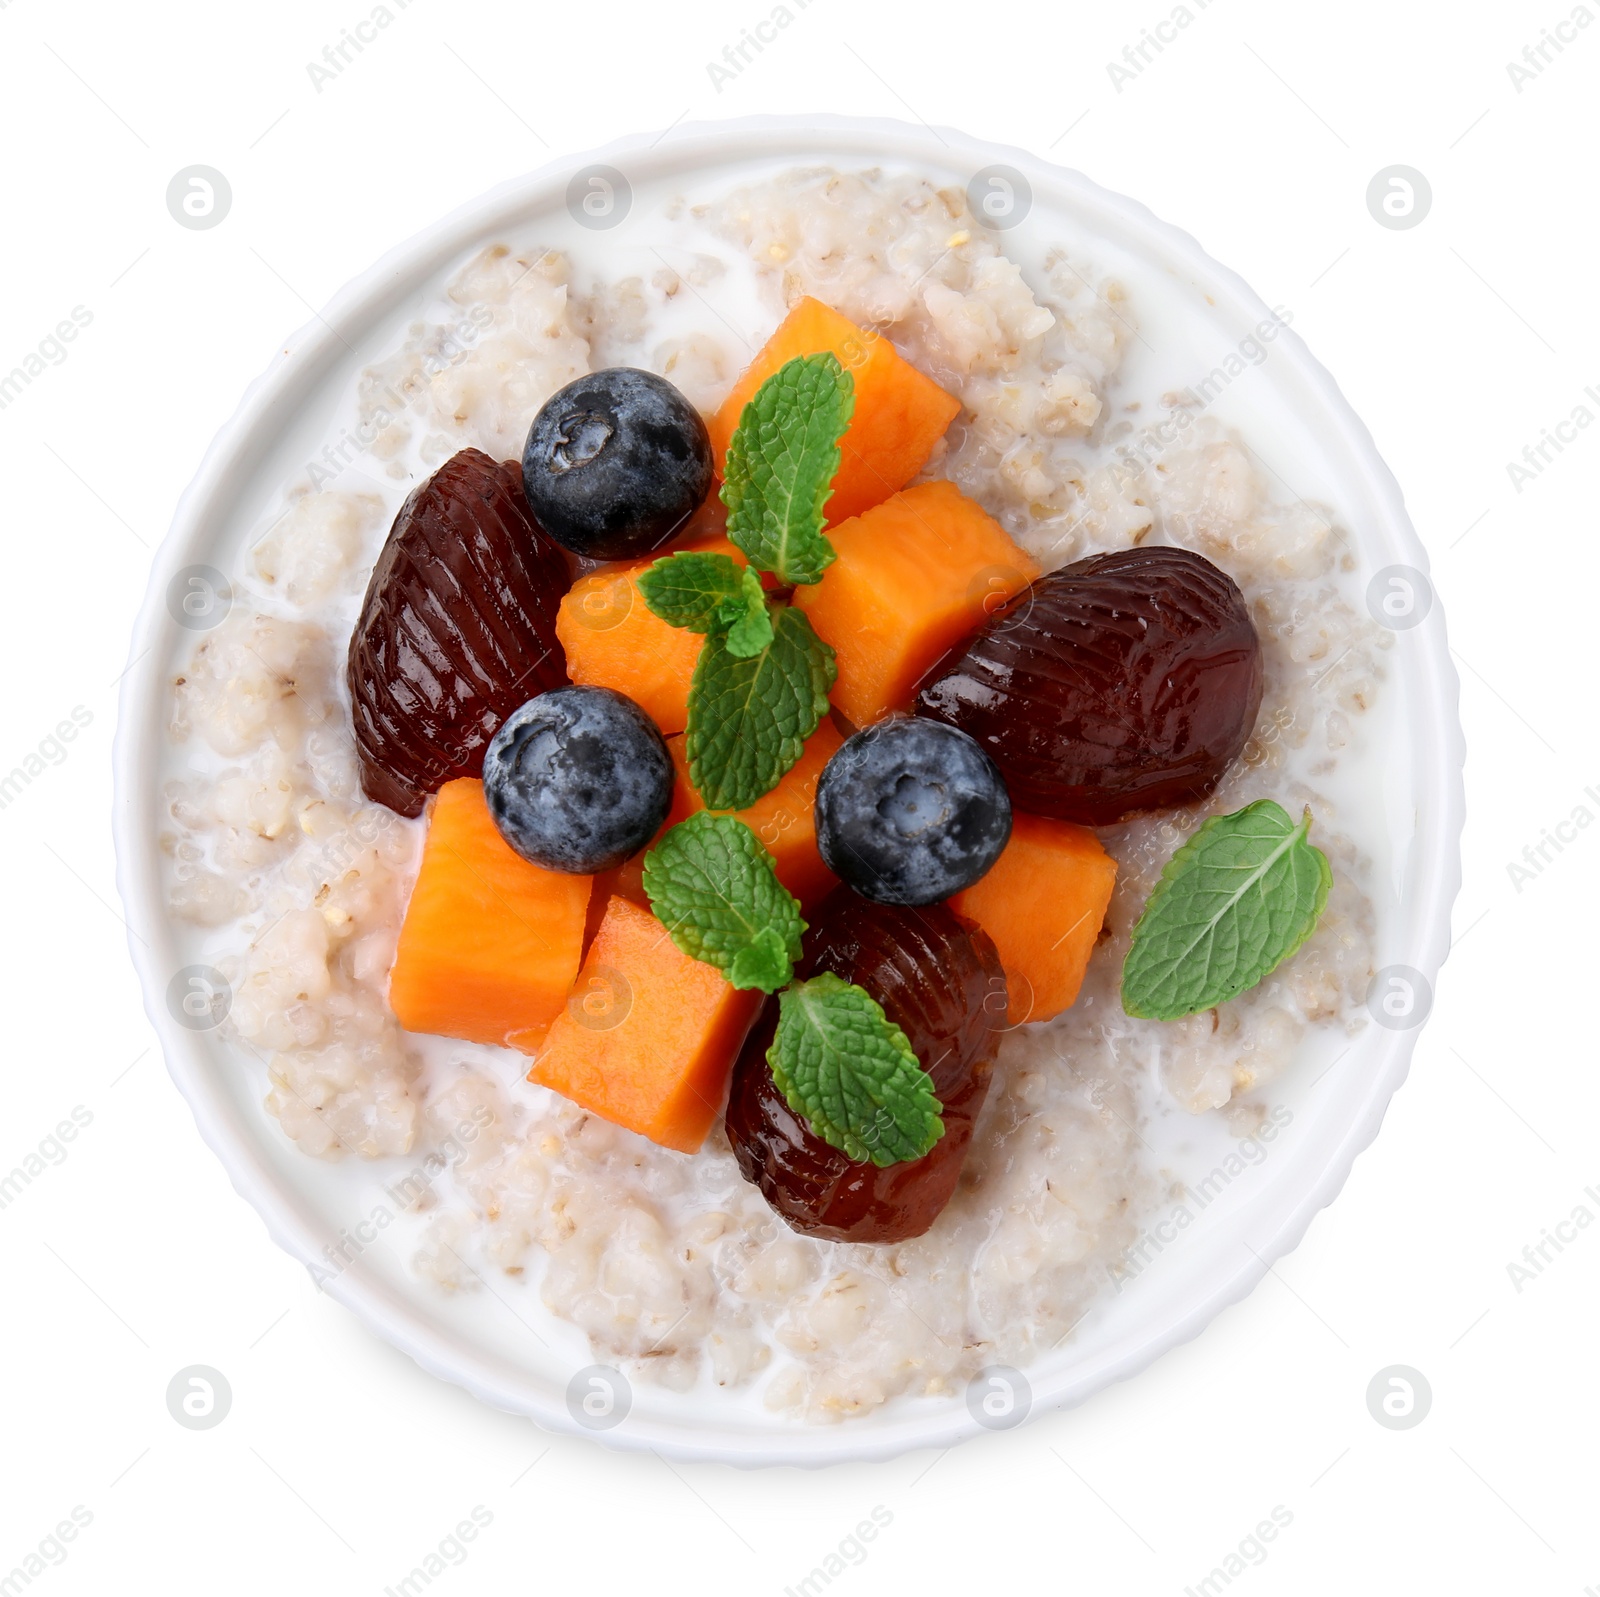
{"x": 615, "y": 463}
{"x": 578, "y": 779}
{"x": 910, "y": 811}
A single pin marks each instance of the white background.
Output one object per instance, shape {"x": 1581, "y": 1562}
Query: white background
{"x": 340, "y": 1465}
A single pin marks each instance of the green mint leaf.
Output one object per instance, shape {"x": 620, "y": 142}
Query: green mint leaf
{"x": 714, "y": 887}
{"x": 781, "y": 464}
{"x": 746, "y": 617}
{"x": 749, "y": 717}
{"x": 844, "y": 1066}
{"x": 764, "y": 962}
{"x": 688, "y": 590}
{"x": 1232, "y": 904}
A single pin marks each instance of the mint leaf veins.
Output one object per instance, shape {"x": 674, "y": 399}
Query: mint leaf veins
{"x": 1232, "y": 904}
{"x": 781, "y": 464}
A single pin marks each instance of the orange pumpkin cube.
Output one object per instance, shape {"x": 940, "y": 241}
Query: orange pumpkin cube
{"x": 1043, "y": 902}
{"x": 900, "y": 413}
{"x": 648, "y": 1037}
{"x": 613, "y": 640}
{"x": 491, "y": 942}
{"x": 914, "y": 576}
{"x": 783, "y": 819}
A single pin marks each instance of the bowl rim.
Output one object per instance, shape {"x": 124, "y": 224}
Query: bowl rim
{"x": 1430, "y": 892}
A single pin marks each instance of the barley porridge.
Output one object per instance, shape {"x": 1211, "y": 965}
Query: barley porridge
{"x": 674, "y": 1265}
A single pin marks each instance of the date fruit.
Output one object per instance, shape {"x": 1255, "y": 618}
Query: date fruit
{"x": 1122, "y": 683}
{"x": 457, "y": 630}
{"x": 939, "y": 979}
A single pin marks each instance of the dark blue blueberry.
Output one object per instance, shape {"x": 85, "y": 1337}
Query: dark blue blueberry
{"x": 578, "y": 779}
{"x": 615, "y": 463}
{"x": 910, "y": 811}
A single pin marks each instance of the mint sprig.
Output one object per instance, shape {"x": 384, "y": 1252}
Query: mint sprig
{"x": 746, "y": 617}
{"x": 710, "y": 593}
{"x": 781, "y": 464}
{"x": 1232, "y": 904}
{"x": 715, "y": 889}
{"x": 750, "y": 716}
{"x": 761, "y": 684}
{"x": 844, "y": 1066}
{"x": 689, "y": 589}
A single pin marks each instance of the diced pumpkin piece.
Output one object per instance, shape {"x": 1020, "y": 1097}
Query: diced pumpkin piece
{"x": 783, "y": 819}
{"x": 900, "y": 413}
{"x": 621, "y": 881}
{"x": 914, "y": 576}
{"x": 612, "y": 640}
{"x": 1043, "y": 902}
{"x": 648, "y": 1037}
{"x": 626, "y": 880}
{"x": 490, "y": 942}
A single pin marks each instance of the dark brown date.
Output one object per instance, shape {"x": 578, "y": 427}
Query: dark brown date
{"x": 939, "y": 979}
{"x": 457, "y": 629}
{"x": 1121, "y": 683}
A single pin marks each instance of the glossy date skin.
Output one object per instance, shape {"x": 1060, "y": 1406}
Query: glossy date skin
{"x": 939, "y": 979}
{"x": 457, "y": 630}
{"x": 1122, "y": 683}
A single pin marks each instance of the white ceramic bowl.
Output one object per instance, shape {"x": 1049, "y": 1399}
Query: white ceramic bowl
{"x": 1293, "y": 410}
